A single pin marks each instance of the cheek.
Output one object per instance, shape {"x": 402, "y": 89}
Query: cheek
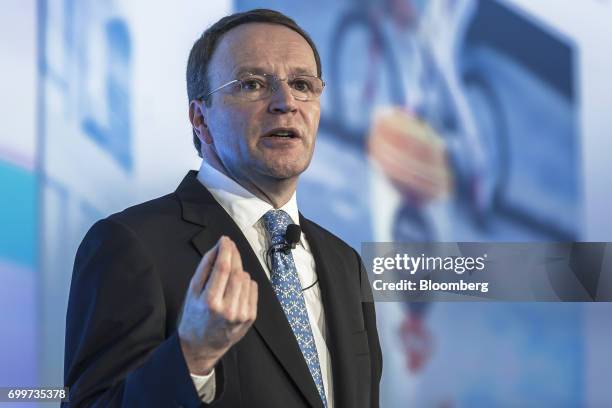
{"x": 235, "y": 128}
{"x": 314, "y": 112}
{"x": 317, "y": 117}
{"x": 312, "y": 119}
{"x": 242, "y": 118}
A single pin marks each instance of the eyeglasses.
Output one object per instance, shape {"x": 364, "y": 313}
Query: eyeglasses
{"x": 254, "y": 87}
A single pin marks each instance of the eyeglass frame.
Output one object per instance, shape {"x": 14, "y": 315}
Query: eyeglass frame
{"x": 277, "y": 81}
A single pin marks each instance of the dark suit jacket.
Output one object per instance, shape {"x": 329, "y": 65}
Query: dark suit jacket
{"x": 129, "y": 281}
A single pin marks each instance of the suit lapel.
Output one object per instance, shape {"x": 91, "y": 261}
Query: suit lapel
{"x": 199, "y": 207}
{"x": 337, "y": 307}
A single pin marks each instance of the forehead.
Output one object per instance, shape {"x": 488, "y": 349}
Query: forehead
{"x": 269, "y": 47}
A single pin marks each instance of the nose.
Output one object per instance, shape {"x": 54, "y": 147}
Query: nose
{"x": 282, "y": 100}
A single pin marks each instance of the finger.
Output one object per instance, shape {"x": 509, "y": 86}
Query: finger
{"x": 200, "y": 277}
{"x": 234, "y": 286}
{"x": 253, "y": 296}
{"x": 236, "y": 258}
{"x": 233, "y": 296}
{"x": 220, "y": 274}
{"x": 234, "y": 291}
{"x": 243, "y": 307}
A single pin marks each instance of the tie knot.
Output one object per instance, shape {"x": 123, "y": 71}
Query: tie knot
{"x": 276, "y": 222}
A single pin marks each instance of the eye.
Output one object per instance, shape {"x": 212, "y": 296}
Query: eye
{"x": 302, "y": 85}
{"x": 252, "y": 84}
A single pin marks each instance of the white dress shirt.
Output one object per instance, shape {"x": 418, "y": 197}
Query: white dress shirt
{"x": 247, "y": 211}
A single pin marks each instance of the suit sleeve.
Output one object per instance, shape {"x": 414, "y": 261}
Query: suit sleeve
{"x": 117, "y": 352}
{"x": 369, "y": 317}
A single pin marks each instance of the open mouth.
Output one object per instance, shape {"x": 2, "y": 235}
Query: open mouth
{"x": 283, "y": 133}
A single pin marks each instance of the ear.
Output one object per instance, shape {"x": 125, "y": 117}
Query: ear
{"x": 197, "y": 109}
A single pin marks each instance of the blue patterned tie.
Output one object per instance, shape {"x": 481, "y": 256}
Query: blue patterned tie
{"x": 288, "y": 290}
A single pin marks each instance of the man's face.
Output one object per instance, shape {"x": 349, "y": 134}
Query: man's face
{"x": 239, "y": 129}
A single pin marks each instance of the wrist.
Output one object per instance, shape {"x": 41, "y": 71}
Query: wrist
{"x": 199, "y": 362}
{"x": 201, "y": 371}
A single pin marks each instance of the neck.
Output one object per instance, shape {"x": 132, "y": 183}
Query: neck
{"x": 273, "y": 191}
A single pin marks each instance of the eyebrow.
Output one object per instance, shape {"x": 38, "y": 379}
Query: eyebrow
{"x": 259, "y": 71}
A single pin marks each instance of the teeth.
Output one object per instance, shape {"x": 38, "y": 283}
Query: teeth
{"x": 283, "y": 133}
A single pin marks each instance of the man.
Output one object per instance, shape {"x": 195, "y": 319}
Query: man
{"x": 161, "y": 310}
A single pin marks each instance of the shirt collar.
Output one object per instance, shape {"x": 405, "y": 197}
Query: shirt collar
{"x": 243, "y": 206}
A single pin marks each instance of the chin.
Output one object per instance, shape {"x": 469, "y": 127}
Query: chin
{"x": 281, "y": 168}
{"x": 284, "y": 171}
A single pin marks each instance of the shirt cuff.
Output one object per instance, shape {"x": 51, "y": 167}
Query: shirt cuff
{"x": 205, "y": 385}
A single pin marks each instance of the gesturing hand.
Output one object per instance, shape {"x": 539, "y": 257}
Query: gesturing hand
{"x": 220, "y": 307}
